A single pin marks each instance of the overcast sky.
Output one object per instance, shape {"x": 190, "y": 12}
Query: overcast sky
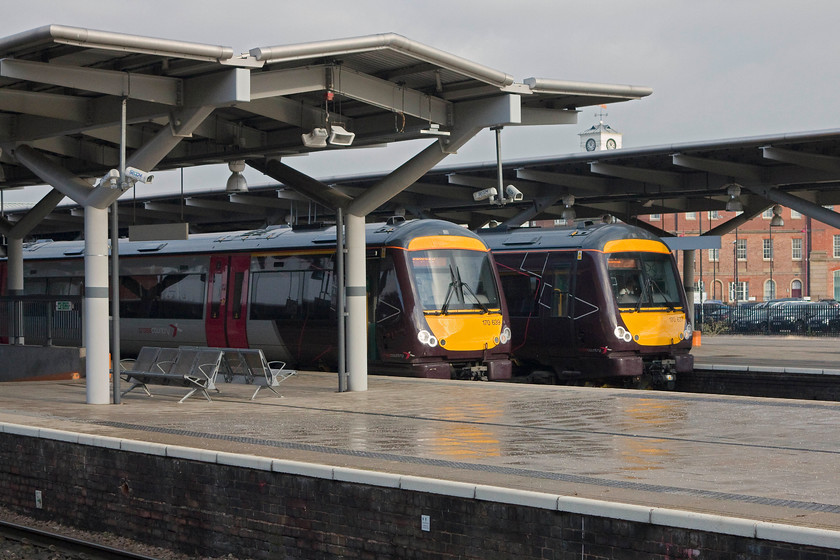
{"x": 718, "y": 69}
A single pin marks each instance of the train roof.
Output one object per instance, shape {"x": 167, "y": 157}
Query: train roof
{"x": 394, "y": 234}
{"x": 593, "y": 237}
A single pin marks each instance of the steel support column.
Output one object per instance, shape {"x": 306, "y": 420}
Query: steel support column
{"x": 14, "y": 285}
{"x": 356, "y": 301}
{"x": 96, "y": 306}
{"x": 688, "y": 283}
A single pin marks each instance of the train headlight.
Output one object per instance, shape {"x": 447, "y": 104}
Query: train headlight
{"x": 687, "y": 331}
{"x": 424, "y": 336}
{"x": 505, "y": 337}
{"x": 623, "y": 334}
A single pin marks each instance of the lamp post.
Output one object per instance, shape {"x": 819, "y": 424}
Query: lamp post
{"x": 735, "y": 267}
{"x": 775, "y": 221}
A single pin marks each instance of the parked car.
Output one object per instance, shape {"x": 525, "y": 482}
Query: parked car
{"x": 713, "y": 311}
{"x": 824, "y": 318}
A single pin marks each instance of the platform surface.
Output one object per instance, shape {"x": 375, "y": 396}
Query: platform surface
{"x": 756, "y": 458}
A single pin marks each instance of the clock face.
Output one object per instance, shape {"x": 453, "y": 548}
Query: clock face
{"x": 590, "y": 145}
{"x": 610, "y": 144}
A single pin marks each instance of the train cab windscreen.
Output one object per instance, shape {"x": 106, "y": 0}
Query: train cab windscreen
{"x": 640, "y": 280}
{"x": 452, "y": 280}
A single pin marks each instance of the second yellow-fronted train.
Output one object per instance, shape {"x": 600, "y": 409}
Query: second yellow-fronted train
{"x": 598, "y": 303}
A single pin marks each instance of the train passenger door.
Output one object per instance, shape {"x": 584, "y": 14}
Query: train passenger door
{"x": 227, "y": 301}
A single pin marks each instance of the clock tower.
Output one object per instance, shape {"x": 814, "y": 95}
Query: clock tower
{"x": 600, "y": 137}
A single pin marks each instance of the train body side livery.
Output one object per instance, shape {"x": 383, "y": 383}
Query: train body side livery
{"x": 601, "y": 302}
{"x": 435, "y": 308}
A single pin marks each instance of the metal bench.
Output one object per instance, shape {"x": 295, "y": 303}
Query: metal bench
{"x": 249, "y": 366}
{"x": 195, "y": 368}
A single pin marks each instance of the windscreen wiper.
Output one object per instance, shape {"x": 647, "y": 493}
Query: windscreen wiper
{"x": 456, "y": 279}
{"x": 484, "y": 308}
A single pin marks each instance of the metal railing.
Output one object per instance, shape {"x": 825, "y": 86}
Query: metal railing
{"x": 810, "y": 319}
{"x": 41, "y": 320}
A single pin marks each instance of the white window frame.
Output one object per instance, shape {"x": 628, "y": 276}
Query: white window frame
{"x": 796, "y": 248}
{"x": 741, "y": 249}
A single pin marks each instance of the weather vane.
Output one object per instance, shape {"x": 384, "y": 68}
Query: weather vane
{"x": 601, "y": 114}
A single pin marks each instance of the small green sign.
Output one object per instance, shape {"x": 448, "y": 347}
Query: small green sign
{"x": 64, "y": 306}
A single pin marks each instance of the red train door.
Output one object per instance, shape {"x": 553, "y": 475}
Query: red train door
{"x": 227, "y": 301}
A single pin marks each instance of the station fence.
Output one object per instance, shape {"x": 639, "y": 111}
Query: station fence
{"x": 810, "y": 319}
{"x": 41, "y": 320}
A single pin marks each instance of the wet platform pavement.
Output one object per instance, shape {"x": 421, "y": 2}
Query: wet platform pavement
{"x": 759, "y": 459}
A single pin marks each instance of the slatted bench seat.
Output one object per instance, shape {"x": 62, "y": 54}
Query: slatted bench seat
{"x": 249, "y": 366}
{"x": 198, "y": 368}
{"x": 195, "y": 368}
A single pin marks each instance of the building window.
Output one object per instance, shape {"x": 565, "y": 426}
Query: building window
{"x": 714, "y": 215}
{"x": 559, "y": 222}
{"x": 691, "y": 215}
{"x": 837, "y": 246}
{"x": 795, "y": 215}
{"x": 714, "y": 255}
{"x": 837, "y": 285}
{"x": 739, "y": 291}
{"x": 769, "y": 290}
{"x": 767, "y": 214}
{"x": 741, "y": 249}
{"x": 655, "y": 217}
{"x": 796, "y": 249}
{"x": 767, "y": 249}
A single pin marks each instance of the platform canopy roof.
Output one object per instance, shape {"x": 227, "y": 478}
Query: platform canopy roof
{"x": 61, "y": 89}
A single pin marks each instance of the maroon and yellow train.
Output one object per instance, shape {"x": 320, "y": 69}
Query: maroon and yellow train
{"x": 596, "y": 303}
{"x": 435, "y": 307}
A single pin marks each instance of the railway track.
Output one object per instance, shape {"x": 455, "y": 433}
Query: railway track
{"x": 21, "y": 542}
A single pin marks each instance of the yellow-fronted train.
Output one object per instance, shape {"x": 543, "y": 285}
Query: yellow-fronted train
{"x": 594, "y": 304}
{"x": 435, "y": 307}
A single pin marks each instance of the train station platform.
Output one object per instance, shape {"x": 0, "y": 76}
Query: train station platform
{"x": 760, "y": 467}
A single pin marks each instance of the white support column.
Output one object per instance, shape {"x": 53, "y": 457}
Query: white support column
{"x": 14, "y": 282}
{"x": 688, "y": 283}
{"x": 357, "y": 352}
{"x": 95, "y": 319}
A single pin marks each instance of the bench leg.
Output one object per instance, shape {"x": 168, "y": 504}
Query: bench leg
{"x": 199, "y": 386}
{"x": 269, "y": 387}
{"x": 134, "y": 386}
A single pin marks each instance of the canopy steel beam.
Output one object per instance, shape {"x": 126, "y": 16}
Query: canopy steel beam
{"x": 654, "y": 176}
{"x": 720, "y": 167}
{"x": 158, "y": 89}
{"x": 807, "y": 208}
{"x": 803, "y": 159}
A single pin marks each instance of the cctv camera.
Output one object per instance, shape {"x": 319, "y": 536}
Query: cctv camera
{"x": 513, "y": 193}
{"x": 487, "y": 194}
{"x": 110, "y": 179}
{"x": 134, "y": 174}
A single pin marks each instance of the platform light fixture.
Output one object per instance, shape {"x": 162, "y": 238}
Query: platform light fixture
{"x": 734, "y": 203}
{"x": 777, "y": 220}
{"x": 568, "y": 213}
{"x": 339, "y": 136}
{"x": 315, "y": 139}
{"x": 236, "y": 182}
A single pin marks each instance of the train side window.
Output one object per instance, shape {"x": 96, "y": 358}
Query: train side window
{"x": 389, "y": 303}
{"x": 216, "y": 296}
{"x": 559, "y": 306}
{"x": 238, "y": 279}
{"x": 519, "y": 290}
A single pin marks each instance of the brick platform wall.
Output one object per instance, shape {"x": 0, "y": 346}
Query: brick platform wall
{"x": 205, "y": 508}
